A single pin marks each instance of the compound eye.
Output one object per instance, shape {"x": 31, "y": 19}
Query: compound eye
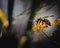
{"x": 40, "y": 21}
{"x": 44, "y": 20}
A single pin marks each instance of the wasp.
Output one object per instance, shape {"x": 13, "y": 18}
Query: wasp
{"x": 43, "y": 23}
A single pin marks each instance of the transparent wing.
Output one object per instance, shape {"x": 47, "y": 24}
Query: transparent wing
{"x": 47, "y": 22}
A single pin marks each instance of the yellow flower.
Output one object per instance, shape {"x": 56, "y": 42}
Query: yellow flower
{"x": 3, "y": 19}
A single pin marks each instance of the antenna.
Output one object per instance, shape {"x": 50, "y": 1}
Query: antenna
{"x": 48, "y": 16}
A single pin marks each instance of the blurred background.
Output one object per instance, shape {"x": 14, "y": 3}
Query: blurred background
{"x": 21, "y": 15}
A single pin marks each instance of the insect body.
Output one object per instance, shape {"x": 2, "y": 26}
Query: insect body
{"x": 40, "y": 25}
{"x": 43, "y": 23}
